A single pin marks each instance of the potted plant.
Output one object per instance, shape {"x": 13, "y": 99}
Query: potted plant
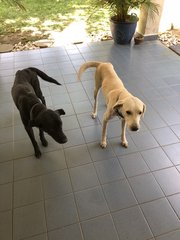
{"x": 123, "y": 21}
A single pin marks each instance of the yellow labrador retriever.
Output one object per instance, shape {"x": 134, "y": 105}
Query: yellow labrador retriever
{"x": 119, "y": 101}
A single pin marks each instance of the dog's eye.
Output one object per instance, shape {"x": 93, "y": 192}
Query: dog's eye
{"x": 140, "y": 112}
{"x": 128, "y": 112}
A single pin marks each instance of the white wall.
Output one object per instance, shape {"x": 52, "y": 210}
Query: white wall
{"x": 170, "y": 15}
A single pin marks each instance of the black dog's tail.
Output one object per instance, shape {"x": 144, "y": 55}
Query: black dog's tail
{"x": 43, "y": 75}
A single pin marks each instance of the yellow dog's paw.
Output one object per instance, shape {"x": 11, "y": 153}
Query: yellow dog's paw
{"x": 124, "y": 144}
{"x": 103, "y": 144}
{"x": 93, "y": 115}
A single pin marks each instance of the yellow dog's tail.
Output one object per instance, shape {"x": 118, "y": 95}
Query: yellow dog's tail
{"x": 87, "y": 65}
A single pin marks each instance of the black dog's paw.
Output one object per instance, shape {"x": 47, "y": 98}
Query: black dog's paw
{"x": 44, "y": 142}
{"x": 38, "y": 154}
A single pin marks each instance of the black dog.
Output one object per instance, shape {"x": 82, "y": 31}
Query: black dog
{"x": 31, "y": 104}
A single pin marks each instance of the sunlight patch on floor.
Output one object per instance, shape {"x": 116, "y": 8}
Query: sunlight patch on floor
{"x": 74, "y": 33}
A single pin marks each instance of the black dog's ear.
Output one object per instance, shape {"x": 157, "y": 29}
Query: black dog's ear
{"x": 60, "y": 112}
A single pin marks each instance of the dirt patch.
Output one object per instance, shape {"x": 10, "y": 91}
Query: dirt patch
{"x": 22, "y": 40}
{"x": 27, "y": 40}
{"x": 24, "y": 37}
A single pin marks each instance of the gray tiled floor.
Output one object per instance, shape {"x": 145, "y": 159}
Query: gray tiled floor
{"x": 78, "y": 191}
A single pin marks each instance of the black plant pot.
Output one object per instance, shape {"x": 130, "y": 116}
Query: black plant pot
{"x": 122, "y": 32}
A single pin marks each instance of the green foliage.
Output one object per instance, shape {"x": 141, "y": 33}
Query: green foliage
{"x": 16, "y": 3}
{"x": 121, "y": 8}
{"x": 40, "y": 15}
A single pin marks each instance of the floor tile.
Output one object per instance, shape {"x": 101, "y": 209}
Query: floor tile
{"x": 165, "y": 136}
{"x": 78, "y": 96}
{"x": 109, "y": 170}
{"x": 97, "y": 153}
{"x": 172, "y": 80}
{"x": 172, "y": 235}
{"x": 5, "y": 120}
{"x": 169, "y": 180}
{"x": 99, "y": 228}
{"x": 86, "y": 120}
{"x": 6, "y": 152}
{"x": 77, "y": 184}
{"x": 6, "y": 225}
{"x": 70, "y": 122}
{"x": 91, "y": 203}
{"x": 67, "y": 107}
{"x": 119, "y": 195}
{"x": 53, "y": 89}
{"x": 156, "y": 159}
{"x": 92, "y": 133}
{"x": 60, "y": 99}
{"x": 83, "y": 107}
{"x": 169, "y": 115}
{"x": 27, "y": 191}
{"x": 133, "y": 164}
{"x": 56, "y": 184}
{"x": 160, "y": 216}
{"x": 175, "y": 203}
{"x": 6, "y": 135}
{"x": 114, "y": 129}
{"x": 78, "y": 155}
{"x": 176, "y": 130}
{"x": 52, "y": 145}
{"x": 173, "y": 152}
{"x": 69, "y": 77}
{"x": 75, "y": 138}
{"x": 31, "y": 166}
{"x": 119, "y": 150}
{"x": 32, "y": 216}
{"x": 131, "y": 224}
{"x": 145, "y": 188}
{"x": 23, "y": 148}
{"x": 60, "y": 212}
{"x": 83, "y": 177}
{"x": 74, "y": 87}
{"x": 144, "y": 140}
{"x": 6, "y": 197}
{"x": 68, "y": 233}
{"x": 38, "y": 237}
{"x": 20, "y": 132}
{"x": 6, "y": 172}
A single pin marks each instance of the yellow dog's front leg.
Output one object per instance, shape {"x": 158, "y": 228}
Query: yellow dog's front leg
{"x": 104, "y": 133}
{"x": 124, "y": 141}
{"x": 106, "y": 118}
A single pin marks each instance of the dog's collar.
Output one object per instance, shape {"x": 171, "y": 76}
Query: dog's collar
{"x": 31, "y": 111}
{"x": 119, "y": 114}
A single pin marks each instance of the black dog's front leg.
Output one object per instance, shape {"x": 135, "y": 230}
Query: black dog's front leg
{"x": 43, "y": 100}
{"x": 30, "y": 132}
{"x": 43, "y": 140}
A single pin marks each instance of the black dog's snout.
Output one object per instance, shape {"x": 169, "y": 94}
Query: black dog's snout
{"x": 64, "y": 140}
{"x": 134, "y": 128}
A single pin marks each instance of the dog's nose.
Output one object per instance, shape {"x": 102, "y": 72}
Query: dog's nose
{"x": 134, "y": 128}
{"x": 64, "y": 140}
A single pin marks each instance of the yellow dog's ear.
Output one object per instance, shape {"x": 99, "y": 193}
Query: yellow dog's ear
{"x": 117, "y": 108}
{"x": 118, "y": 105}
{"x": 144, "y": 110}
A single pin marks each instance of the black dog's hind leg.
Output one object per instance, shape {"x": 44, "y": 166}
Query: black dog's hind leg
{"x": 37, "y": 89}
{"x": 34, "y": 143}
